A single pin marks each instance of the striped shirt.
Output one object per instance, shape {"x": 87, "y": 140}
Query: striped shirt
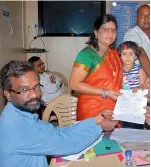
{"x": 131, "y": 78}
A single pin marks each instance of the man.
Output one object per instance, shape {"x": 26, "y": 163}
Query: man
{"x": 141, "y": 35}
{"x": 24, "y": 139}
{"x": 51, "y": 83}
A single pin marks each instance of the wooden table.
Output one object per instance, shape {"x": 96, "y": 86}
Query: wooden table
{"x": 106, "y": 160}
{"x": 101, "y": 161}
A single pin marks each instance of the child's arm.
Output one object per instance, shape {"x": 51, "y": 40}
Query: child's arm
{"x": 142, "y": 77}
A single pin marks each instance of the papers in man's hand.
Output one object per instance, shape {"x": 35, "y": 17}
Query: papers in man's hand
{"x": 75, "y": 157}
{"x": 129, "y": 106}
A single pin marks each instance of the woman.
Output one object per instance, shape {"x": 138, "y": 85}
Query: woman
{"x": 97, "y": 71}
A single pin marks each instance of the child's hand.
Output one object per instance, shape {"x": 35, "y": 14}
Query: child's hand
{"x": 134, "y": 90}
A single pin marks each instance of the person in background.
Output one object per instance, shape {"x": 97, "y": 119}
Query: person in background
{"x": 97, "y": 71}
{"x": 141, "y": 35}
{"x": 147, "y": 115}
{"x": 26, "y": 140}
{"x": 133, "y": 74}
{"x": 51, "y": 83}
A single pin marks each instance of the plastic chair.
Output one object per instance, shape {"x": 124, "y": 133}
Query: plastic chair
{"x": 64, "y": 107}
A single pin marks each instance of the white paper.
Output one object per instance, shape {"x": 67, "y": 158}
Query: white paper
{"x": 122, "y": 135}
{"x": 130, "y": 106}
{"x": 75, "y": 157}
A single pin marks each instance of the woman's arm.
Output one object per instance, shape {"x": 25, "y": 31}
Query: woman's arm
{"x": 76, "y": 83}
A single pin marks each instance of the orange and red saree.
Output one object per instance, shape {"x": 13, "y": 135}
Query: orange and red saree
{"x": 103, "y": 72}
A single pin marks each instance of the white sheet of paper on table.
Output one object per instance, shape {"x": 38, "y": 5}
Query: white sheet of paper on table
{"x": 129, "y": 106}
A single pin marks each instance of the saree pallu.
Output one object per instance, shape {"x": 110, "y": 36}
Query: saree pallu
{"x": 106, "y": 74}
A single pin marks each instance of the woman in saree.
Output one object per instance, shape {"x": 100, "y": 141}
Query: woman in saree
{"x": 97, "y": 71}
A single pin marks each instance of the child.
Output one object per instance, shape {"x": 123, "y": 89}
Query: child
{"x": 133, "y": 74}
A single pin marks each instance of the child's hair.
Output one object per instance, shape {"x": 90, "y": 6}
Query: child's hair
{"x": 127, "y": 45}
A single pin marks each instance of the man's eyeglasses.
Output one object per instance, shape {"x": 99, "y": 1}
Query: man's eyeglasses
{"x": 26, "y": 91}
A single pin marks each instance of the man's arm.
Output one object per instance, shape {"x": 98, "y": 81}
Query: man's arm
{"x": 145, "y": 62}
{"x": 59, "y": 141}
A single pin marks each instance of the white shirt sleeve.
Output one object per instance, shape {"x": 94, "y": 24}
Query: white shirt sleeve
{"x": 131, "y": 36}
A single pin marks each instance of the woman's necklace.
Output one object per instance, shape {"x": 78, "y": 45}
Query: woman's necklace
{"x": 113, "y": 72}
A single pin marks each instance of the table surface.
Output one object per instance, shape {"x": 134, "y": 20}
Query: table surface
{"x": 101, "y": 161}
{"x": 106, "y": 160}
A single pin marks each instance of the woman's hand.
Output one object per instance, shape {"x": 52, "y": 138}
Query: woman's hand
{"x": 113, "y": 95}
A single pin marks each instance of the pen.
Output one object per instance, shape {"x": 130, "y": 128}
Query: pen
{"x": 106, "y": 117}
{"x": 119, "y": 125}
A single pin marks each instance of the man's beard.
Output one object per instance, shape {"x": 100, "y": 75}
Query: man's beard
{"x": 28, "y": 107}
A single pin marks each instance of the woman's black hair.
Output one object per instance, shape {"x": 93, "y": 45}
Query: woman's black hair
{"x": 97, "y": 24}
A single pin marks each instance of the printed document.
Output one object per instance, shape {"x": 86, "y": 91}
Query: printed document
{"x": 130, "y": 106}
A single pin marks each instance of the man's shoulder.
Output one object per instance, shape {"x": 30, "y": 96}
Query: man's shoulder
{"x": 8, "y": 107}
{"x": 133, "y": 34}
{"x": 135, "y": 30}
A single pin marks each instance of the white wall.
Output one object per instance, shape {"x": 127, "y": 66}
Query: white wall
{"x": 11, "y": 47}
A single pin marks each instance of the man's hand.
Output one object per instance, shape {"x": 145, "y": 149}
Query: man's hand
{"x": 107, "y": 114}
{"x": 52, "y": 79}
{"x": 147, "y": 83}
{"x": 108, "y": 125}
{"x": 104, "y": 119}
{"x": 147, "y": 115}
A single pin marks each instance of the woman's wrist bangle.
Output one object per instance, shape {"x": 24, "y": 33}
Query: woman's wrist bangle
{"x": 104, "y": 93}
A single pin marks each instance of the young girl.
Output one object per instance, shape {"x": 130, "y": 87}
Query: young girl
{"x": 133, "y": 74}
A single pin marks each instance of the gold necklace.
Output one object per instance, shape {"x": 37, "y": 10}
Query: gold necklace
{"x": 113, "y": 72}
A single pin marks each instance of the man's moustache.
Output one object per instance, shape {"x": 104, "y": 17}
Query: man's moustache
{"x": 33, "y": 100}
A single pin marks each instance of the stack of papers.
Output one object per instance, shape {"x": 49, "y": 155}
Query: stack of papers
{"x": 130, "y": 106}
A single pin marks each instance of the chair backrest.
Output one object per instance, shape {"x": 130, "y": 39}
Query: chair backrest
{"x": 65, "y": 82}
{"x": 64, "y": 106}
